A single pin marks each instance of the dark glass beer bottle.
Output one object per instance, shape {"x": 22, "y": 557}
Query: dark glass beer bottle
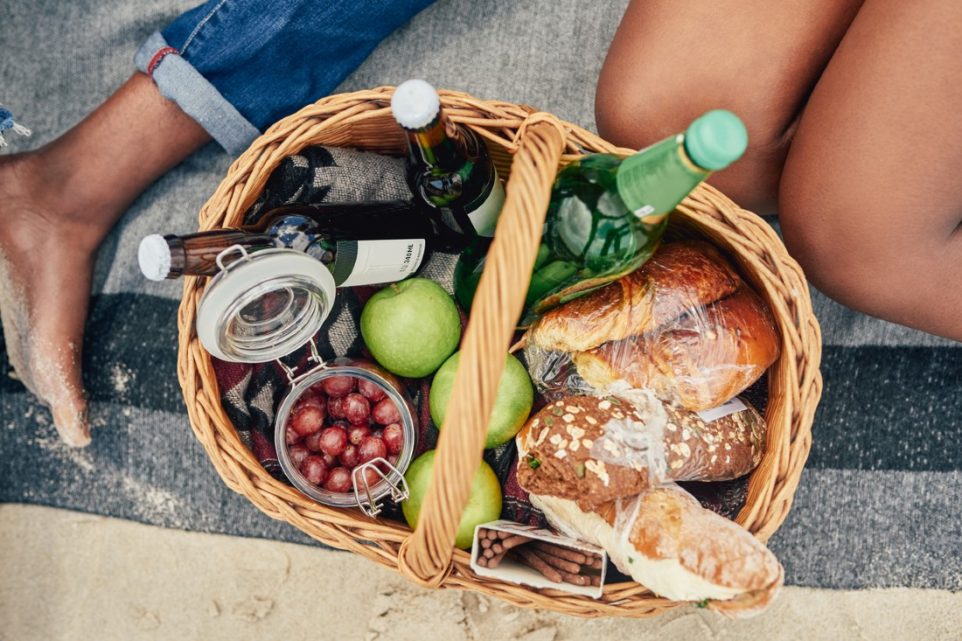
{"x": 448, "y": 169}
{"x": 360, "y": 243}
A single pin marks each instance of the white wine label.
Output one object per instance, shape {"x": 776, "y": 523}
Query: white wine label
{"x": 369, "y": 262}
{"x": 485, "y": 217}
{"x": 715, "y": 413}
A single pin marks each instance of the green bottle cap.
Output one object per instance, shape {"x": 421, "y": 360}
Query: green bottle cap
{"x": 716, "y": 139}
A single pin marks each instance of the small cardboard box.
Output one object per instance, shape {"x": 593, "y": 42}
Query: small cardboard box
{"x": 513, "y": 572}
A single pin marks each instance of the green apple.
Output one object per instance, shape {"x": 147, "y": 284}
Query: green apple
{"x": 511, "y": 405}
{"x": 483, "y": 505}
{"x": 411, "y": 327}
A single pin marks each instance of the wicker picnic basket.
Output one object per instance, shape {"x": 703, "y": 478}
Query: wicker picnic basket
{"x": 528, "y": 147}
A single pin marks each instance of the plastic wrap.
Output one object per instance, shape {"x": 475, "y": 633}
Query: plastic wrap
{"x": 663, "y": 539}
{"x": 684, "y": 325}
{"x": 593, "y": 450}
{"x": 615, "y": 489}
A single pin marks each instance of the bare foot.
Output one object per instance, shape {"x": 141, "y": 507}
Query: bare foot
{"x": 57, "y": 204}
{"x": 46, "y": 260}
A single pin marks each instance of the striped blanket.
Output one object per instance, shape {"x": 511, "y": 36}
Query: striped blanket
{"x": 880, "y": 501}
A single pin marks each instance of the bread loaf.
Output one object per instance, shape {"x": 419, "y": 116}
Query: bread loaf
{"x": 703, "y": 359}
{"x": 667, "y": 542}
{"x": 678, "y": 277}
{"x": 594, "y": 450}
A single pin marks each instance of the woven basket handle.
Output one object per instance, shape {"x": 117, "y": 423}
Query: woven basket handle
{"x": 425, "y": 556}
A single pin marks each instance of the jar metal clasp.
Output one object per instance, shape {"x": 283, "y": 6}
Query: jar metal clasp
{"x": 368, "y": 504}
{"x": 314, "y": 357}
{"x": 233, "y": 249}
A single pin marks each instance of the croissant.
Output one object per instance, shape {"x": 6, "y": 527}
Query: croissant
{"x": 679, "y": 276}
{"x": 704, "y": 359}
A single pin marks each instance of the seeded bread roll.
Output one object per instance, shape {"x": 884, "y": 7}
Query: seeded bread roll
{"x": 702, "y": 360}
{"x": 679, "y": 276}
{"x": 668, "y": 543}
{"x": 594, "y": 450}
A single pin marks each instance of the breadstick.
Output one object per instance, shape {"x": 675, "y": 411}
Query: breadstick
{"x": 495, "y": 561}
{"x": 488, "y": 553}
{"x": 564, "y": 553}
{"x": 497, "y": 548}
{"x": 485, "y": 543}
{"x": 482, "y": 561}
{"x": 534, "y": 561}
{"x": 514, "y": 541}
{"x": 575, "y": 579}
{"x": 595, "y": 579}
{"x": 561, "y": 564}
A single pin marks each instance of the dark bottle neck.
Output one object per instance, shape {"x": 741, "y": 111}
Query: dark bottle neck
{"x": 196, "y": 254}
{"x": 435, "y": 145}
{"x": 287, "y": 226}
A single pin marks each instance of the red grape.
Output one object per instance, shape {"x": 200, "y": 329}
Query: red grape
{"x": 333, "y": 441}
{"x": 311, "y": 398}
{"x": 370, "y": 475}
{"x": 307, "y": 419}
{"x": 335, "y": 407}
{"x": 291, "y": 436}
{"x": 337, "y": 386}
{"x": 313, "y": 442}
{"x": 350, "y": 458}
{"x": 356, "y": 408}
{"x": 330, "y": 460}
{"x": 314, "y": 470}
{"x": 298, "y": 453}
{"x": 356, "y": 433}
{"x": 386, "y": 412}
{"x": 339, "y": 480}
{"x": 394, "y": 438}
{"x": 371, "y": 390}
{"x": 371, "y": 448}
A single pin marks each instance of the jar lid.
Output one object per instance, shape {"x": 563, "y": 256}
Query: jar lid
{"x": 264, "y": 305}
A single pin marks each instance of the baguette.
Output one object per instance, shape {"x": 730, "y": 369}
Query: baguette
{"x": 667, "y": 542}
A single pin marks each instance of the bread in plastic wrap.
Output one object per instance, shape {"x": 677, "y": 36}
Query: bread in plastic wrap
{"x": 596, "y": 449}
{"x": 663, "y": 539}
{"x": 683, "y": 325}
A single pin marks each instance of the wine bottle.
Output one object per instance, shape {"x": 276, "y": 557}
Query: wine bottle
{"x": 448, "y": 169}
{"x": 360, "y": 243}
{"x": 607, "y": 214}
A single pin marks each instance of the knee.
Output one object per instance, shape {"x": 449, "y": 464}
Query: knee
{"x": 629, "y": 113}
{"x": 642, "y": 108}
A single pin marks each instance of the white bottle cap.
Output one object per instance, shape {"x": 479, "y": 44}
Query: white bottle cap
{"x": 154, "y": 257}
{"x": 415, "y": 104}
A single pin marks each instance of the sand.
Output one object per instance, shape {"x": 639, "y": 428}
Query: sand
{"x": 50, "y": 381}
{"x": 67, "y": 575}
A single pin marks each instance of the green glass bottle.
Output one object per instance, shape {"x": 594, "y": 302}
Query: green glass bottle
{"x": 607, "y": 214}
{"x": 449, "y": 170}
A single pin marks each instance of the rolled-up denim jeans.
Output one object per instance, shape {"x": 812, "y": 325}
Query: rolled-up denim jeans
{"x": 237, "y": 66}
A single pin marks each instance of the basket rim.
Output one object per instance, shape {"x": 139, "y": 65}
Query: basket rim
{"x": 502, "y": 123}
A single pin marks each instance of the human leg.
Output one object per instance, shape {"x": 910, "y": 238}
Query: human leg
{"x": 58, "y": 204}
{"x": 670, "y": 62}
{"x": 242, "y": 66}
{"x": 870, "y": 199}
{"x": 237, "y": 66}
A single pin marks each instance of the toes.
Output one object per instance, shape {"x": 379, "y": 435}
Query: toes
{"x": 71, "y": 421}
{"x": 59, "y": 382}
